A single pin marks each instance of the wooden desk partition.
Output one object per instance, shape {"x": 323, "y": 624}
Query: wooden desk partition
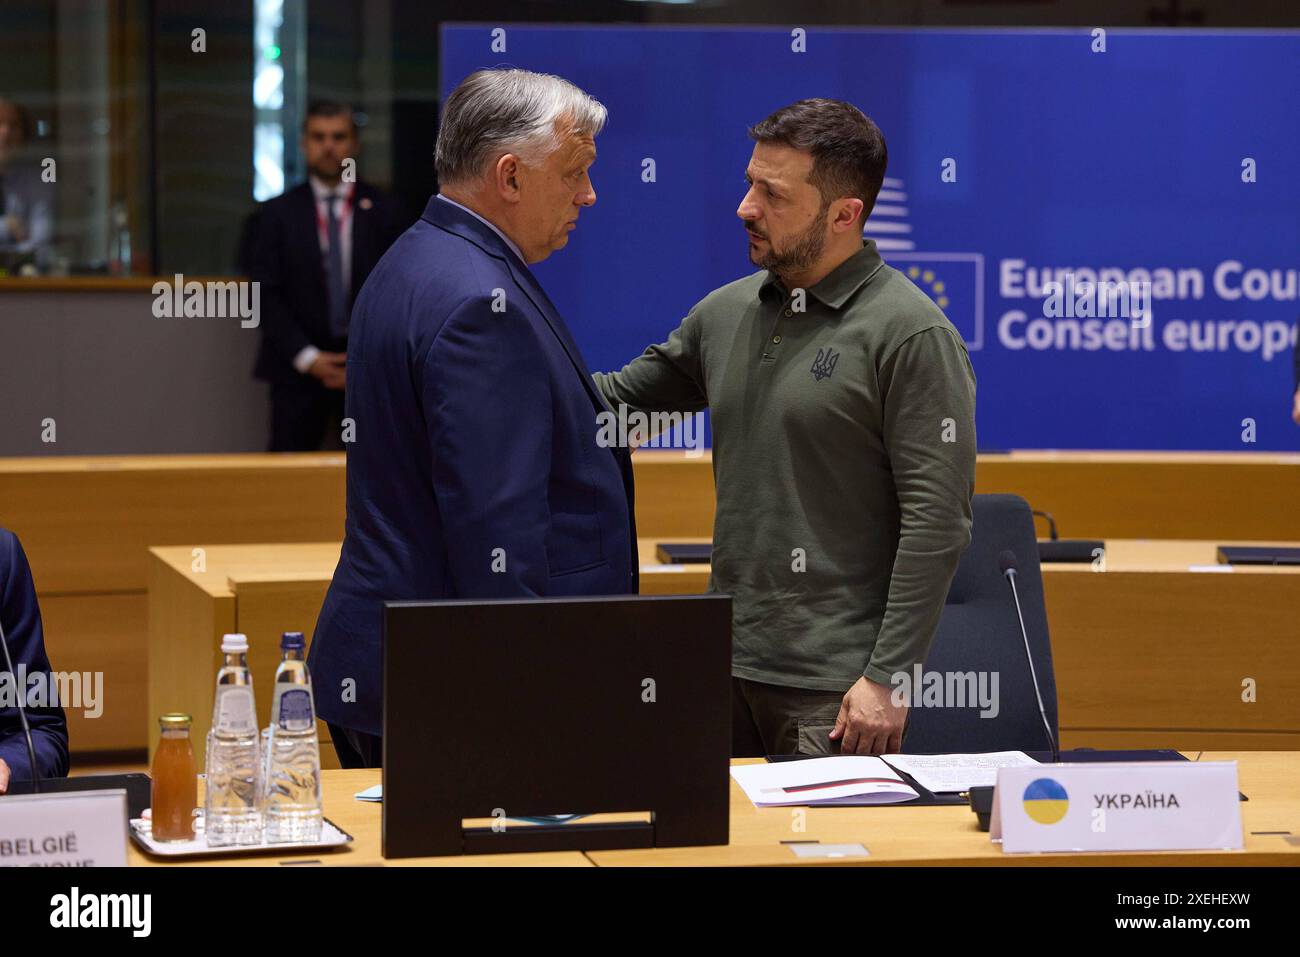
{"x": 1223, "y": 495}
{"x": 259, "y": 591}
{"x": 1162, "y": 648}
{"x": 1147, "y": 652}
{"x": 1165, "y": 645}
{"x": 87, "y": 524}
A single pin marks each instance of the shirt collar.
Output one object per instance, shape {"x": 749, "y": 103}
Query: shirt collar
{"x": 322, "y": 191}
{"x": 843, "y": 281}
{"x": 489, "y": 224}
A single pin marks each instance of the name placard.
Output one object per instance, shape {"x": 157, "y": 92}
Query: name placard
{"x": 66, "y": 829}
{"x": 1120, "y": 806}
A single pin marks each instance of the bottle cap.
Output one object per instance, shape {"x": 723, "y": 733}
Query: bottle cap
{"x": 174, "y": 721}
{"x": 292, "y": 641}
{"x": 234, "y": 644}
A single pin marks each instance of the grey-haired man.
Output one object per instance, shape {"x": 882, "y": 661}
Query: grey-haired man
{"x": 476, "y": 471}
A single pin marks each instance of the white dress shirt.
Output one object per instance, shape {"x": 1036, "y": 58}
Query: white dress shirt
{"x": 338, "y": 195}
{"x": 490, "y": 225}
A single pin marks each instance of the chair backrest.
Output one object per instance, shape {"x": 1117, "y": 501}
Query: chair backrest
{"x": 978, "y": 647}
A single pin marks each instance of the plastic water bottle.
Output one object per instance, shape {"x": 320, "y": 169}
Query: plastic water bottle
{"x": 293, "y": 808}
{"x": 231, "y": 808}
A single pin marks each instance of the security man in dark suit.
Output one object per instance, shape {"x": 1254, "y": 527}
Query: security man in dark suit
{"x": 316, "y": 245}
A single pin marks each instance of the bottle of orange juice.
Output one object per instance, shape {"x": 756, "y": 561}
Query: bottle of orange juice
{"x": 175, "y": 786}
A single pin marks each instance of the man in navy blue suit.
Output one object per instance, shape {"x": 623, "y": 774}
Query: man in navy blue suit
{"x": 475, "y": 470}
{"x": 20, "y": 617}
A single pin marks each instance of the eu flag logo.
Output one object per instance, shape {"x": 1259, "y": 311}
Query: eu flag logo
{"x": 954, "y": 282}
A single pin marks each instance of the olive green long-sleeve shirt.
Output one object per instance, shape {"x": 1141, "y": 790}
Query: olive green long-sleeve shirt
{"x": 843, "y": 459}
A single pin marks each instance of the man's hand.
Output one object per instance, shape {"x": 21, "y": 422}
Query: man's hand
{"x": 4, "y": 776}
{"x": 328, "y": 367}
{"x": 1295, "y": 408}
{"x": 869, "y": 722}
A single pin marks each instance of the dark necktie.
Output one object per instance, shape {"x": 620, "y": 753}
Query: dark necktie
{"x": 334, "y": 273}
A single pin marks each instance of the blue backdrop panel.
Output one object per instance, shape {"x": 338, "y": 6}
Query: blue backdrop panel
{"x": 1066, "y": 159}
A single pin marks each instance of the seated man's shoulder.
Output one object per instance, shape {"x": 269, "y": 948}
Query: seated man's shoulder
{"x": 11, "y": 558}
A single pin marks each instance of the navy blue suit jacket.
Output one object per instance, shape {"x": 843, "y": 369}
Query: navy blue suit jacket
{"x": 21, "y": 618}
{"x": 474, "y": 471}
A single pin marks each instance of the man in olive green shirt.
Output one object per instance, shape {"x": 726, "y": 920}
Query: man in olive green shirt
{"x": 843, "y": 411}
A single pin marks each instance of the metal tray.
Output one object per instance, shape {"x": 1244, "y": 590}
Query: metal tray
{"x": 331, "y": 836}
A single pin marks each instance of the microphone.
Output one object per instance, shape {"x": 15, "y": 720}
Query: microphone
{"x": 22, "y": 712}
{"x": 1007, "y": 565}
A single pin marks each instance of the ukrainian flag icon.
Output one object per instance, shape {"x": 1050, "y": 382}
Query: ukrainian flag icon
{"x": 1046, "y": 801}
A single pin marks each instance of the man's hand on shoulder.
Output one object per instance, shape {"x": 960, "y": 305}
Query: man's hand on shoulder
{"x": 4, "y": 776}
{"x": 329, "y": 368}
{"x": 869, "y": 722}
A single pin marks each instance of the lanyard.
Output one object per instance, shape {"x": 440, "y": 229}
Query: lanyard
{"x": 322, "y": 223}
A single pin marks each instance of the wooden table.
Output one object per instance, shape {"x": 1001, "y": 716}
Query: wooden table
{"x": 943, "y": 836}
{"x": 361, "y": 819}
{"x": 948, "y": 836}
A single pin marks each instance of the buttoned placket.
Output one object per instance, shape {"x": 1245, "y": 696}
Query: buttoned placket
{"x": 774, "y": 337}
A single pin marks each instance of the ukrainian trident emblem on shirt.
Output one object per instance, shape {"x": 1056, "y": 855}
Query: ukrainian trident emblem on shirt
{"x": 824, "y": 365}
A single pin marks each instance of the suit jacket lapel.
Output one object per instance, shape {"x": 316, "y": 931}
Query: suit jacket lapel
{"x": 622, "y": 454}
{"x": 363, "y": 232}
{"x": 306, "y": 237}
{"x": 446, "y": 216}
{"x": 533, "y": 289}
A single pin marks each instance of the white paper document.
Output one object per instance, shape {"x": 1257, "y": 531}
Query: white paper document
{"x": 841, "y": 779}
{"x": 946, "y": 773}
